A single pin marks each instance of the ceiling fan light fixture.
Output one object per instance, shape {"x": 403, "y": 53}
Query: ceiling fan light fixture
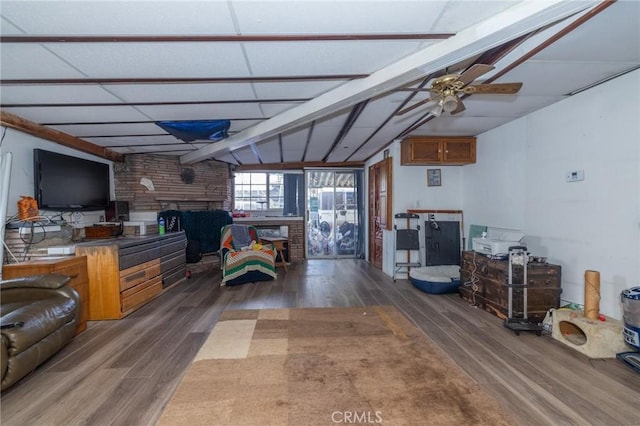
{"x": 450, "y": 103}
{"x": 436, "y": 111}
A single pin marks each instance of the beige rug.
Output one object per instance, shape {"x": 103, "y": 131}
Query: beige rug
{"x": 323, "y": 366}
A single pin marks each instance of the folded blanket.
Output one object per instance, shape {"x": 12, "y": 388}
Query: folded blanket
{"x": 240, "y": 235}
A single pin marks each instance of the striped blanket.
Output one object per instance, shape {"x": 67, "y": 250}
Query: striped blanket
{"x": 255, "y": 265}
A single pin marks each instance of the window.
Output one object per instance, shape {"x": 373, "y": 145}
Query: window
{"x": 258, "y": 191}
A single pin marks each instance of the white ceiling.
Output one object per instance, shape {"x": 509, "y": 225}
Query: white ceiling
{"x": 301, "y": 81}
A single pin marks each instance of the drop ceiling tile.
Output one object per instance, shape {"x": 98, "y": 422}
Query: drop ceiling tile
{"x": 110, "y": 129}
{"x": 505, "y": 106}
{"x": 544, "y": 78}
{"x": 458, "y": 15}
{"x": 59, "y": 94}
{"x": 269, "y": 151}
{"x": 335, "y": 17}
{"x": 378, "y": 110}
{"x": 325, "y": 57}
{"x": 321, "y": 140}
{"x": 292, "y": 155}
{"x": 275, "y": 108}
{"x": 182, "y": 92}
{"x": 239, "y": 125}
{"x": 355, "y": 137}
{"x": 161, "y": 150}
{"x": 78, "y": 114}
{"x": 294, "y": 89}
{"x": 201, "y": 112}
{"x": 296, "y": 138}
{"x": 246, "y": 156}
{"x": 454, "y": 126}
{"x": 32, "y": 61}
{"x": 117, "y": 17}
{"x": 379, "y": 141}
{"x": 154, "y": 60}
{"x": 592, "y": 42}
{"x": 7, "y": 28}
{"x": 336, "y": 119}
{"x": 135, "y": 140}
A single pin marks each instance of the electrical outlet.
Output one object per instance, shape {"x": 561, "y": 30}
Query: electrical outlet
{"x": 575, "y": 175}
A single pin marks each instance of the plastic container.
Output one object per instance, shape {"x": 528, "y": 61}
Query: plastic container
{"x": 631, "y": 314}
{"x": 436, "y": 279}
{"x": 161, "y": 226}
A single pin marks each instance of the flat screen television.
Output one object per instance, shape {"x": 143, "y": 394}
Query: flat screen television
{"x": 66, "y": 183}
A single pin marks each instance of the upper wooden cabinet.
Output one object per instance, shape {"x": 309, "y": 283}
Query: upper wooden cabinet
{"x": 427, "y": 150}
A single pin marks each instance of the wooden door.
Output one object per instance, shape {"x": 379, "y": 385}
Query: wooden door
{"x": 374, "y": 243}
{"x": 380, "y": 216}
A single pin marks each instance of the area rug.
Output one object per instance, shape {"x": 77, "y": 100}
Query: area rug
{"x": 323, "y": 366}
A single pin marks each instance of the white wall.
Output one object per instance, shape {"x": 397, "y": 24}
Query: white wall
{"x": 519, "y": 182}
{"x": 22, "y": 145}
{"x": 410, "y": 191}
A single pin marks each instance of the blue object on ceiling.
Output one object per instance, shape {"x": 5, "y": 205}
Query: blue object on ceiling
{"x": 194, "y": 130}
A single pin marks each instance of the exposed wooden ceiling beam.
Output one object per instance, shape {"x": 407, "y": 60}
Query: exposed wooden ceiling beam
{"x": 104, "y": 104}
{"x": 221, "y": 38}
{"x": 26, "y": 126}
{"x": 185, "y": 80}
{"x": 299, "y": 166}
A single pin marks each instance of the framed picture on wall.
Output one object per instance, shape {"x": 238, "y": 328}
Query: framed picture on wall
{"x": 434, "y": 177}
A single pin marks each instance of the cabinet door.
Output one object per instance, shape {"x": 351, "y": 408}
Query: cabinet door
{"x": 425, "y": 150}
{"x": 459, "y": 151}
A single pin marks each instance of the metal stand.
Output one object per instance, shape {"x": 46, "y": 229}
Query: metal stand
{"x": 519, "y": 324}
{"x": 407, "y": 239}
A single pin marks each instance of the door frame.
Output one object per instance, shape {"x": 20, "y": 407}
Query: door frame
{"x": 313, "y": 223}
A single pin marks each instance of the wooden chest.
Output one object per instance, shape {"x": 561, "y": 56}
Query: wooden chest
{"x": 485, "y": 283}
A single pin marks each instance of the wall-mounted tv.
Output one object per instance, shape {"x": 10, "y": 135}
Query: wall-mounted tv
{"x": 66, "y": 183}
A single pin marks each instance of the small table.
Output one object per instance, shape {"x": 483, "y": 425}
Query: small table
{"x": 279, "y": 246}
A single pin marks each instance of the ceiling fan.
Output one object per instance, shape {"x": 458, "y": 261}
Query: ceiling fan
{"x": 446, "y": 90}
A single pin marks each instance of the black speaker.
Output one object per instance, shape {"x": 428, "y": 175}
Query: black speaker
{"x": 117, "y": 211}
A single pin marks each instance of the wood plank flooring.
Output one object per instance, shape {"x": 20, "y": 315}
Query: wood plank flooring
{"x": 124, "y": 372}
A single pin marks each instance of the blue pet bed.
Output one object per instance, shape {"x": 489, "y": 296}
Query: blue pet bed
{"x": 436, "y": 279}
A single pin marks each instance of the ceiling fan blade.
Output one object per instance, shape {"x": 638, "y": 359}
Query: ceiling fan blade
{"x": 496, "y": 88}
{"x": 459, "y": 108}
{"x": 474, "y": 72}
{"x": 414, "y": 106}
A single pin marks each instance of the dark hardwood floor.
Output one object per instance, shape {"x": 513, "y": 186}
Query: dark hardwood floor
{"x": 124, "y": 372}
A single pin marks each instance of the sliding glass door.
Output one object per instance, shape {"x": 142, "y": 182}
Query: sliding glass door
{"x": 333, "y": 213}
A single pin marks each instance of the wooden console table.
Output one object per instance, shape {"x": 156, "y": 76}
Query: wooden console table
{"x": 74, "y": 267}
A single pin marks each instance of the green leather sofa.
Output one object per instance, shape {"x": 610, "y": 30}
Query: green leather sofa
{"x": 38, "y": 316}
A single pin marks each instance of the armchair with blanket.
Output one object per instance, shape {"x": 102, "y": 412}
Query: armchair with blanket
{"x": 241, "y": 262}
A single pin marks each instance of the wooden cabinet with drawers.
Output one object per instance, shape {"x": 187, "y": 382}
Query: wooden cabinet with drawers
{"x": 125, "y": 273}
{"x": 427, "y": 150}
{"x": 74, "y": 267}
